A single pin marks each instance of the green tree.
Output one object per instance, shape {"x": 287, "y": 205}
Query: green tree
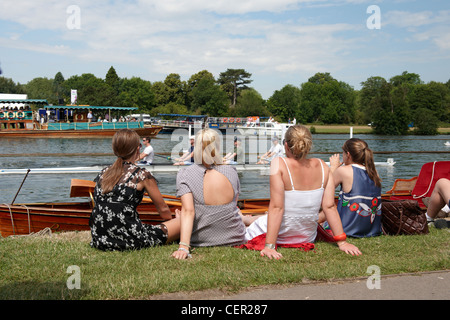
{"x": 425, "y": 122}
{"x": 285, "y": 103}
{"x": 433, "y": 96}
{"x": 112, "y": 81}
{"x": 385, "y": 106}
{"x": 137, "y": 93}
{"x": 175, "y": 88}
{"x": 370, "y": 97}
{"x": 59, "y": 90}
{"x": 208, "y": 98}
{"x": 192, "y": 83}
{"x": 327, "y": 100}
{"x": 41, "y": 88}
{"x": 233, "y": 81}
{"x": 250, "y": 103}
{"x": 90, "y": 89}
{"x": 7, "y": 85}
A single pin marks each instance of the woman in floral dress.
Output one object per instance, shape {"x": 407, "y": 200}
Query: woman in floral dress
{"x": 115, "y": 222}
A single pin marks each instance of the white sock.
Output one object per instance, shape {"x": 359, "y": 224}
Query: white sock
{"x": 428, "y": 217}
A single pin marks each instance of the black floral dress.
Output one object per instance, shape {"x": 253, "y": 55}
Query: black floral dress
{"x": 115, "y": 222}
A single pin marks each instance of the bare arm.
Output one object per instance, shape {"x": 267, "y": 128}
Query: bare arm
{"x": 187, "y": 223}
{"x": 276, "y": 210}
{"x": 153, "y": 191}
{"x": 333, "y": 218}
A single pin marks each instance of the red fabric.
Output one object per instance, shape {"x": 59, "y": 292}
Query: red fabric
{"x": 258, "y": 243}
{"x": 325, "y": 235}
{"x": 427, "y": 178}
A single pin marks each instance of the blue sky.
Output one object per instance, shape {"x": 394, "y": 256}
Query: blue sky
{"x": 279, "y": 41}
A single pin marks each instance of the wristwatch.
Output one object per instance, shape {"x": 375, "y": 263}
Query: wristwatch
{"x": 269, "y": 246}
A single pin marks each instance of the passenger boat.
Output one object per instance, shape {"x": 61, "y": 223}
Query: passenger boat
{"x": 18, "y": 120}
{"x": 249, "y": 126}
{"x": 17, "y": 219}
{"x": 196, "y": 122}
{"x": 266, "y": 129}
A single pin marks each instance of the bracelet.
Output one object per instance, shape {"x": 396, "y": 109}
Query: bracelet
{"x": 269, "y": 246}
{"x": 184, "y": 244}
{"x": 185, "y": 250}
{"x": 340, "y": 237}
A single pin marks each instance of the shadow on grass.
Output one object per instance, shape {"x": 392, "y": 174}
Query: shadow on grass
{"x": 33, "y": 290}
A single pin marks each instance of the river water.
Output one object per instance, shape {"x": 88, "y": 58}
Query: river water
{"x": 409, "y": 153}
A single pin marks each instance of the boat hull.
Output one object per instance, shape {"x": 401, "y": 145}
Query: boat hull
{"x": 22, "y": 219}
{"x": 92, "y": 133}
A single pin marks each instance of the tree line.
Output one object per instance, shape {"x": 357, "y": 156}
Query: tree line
{"x": 390, "y": 106}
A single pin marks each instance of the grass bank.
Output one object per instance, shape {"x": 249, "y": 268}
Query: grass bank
{"x": 37, "y": 268}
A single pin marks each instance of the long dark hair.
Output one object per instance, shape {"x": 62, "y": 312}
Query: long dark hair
{"x": 125, "y": 143}
{"x": 363, "y": 155}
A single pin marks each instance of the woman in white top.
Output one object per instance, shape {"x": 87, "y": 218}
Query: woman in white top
{"x": 298, "y": 188}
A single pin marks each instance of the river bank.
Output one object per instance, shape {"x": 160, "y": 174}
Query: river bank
{"x": 357, "y": 129}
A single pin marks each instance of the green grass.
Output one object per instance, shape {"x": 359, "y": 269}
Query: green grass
{"x": 36, "y": 268}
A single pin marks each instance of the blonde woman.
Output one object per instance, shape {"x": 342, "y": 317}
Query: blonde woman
{"x": 115, "y": 222}
{"x": 209, "y": 192}
{"x": 299, "y": 187}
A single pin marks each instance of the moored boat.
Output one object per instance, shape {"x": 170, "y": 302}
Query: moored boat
{"x": 421, "y": 186}
{"x": 266, "y": 129}
{"x": 21, "y": 219}
{"x": 18, "y": 120}
{"x": 17, "y": 219}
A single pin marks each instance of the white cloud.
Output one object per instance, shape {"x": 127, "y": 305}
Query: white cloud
{"x": 406, "y": 19}
{"x": 187, "y": 36}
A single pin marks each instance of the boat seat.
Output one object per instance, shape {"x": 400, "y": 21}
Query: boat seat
{"x": 430, "y": 173}
{"x": 403, "y": 186}
{"x": 82, "y": 188}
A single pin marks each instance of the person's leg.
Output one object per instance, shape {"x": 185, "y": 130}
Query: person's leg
{"x": 439, "y": 198}
{"x": 173, "y": 229}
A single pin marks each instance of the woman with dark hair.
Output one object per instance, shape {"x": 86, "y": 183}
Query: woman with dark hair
{"x": 359, "y": 203}
{"x": 115, "y": 222}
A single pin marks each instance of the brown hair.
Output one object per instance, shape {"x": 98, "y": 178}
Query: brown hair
{"x": 363, "y": 155}
{"x": 125, "y": 143}
{"x": 299, "y": 141}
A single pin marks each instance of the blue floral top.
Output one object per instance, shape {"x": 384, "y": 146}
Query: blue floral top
{"x": 360, "y": 209}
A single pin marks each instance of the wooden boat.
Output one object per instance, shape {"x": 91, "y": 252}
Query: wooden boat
{"x": 17, "y": 120}
{"x": 74, "y": 216}
{"x": 145, "y": 131}
{"x": 421, "y": 186}
{"x": 20, "y": 219}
